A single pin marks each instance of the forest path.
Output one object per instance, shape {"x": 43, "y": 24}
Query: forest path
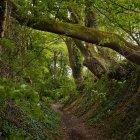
{"x": 74, "y": 129}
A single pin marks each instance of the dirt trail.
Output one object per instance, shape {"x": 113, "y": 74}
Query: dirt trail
{"x": 74, "y": 129}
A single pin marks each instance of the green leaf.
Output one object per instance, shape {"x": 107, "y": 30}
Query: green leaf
{"x": 7, "y": 43}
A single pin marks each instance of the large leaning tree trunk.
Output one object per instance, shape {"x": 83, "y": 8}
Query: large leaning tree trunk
{"x": 103, "y": 39}
{"x": 75, "y": 60}
{"x": 109, "y": 65}
{"x": 92, "y": 62}
{"x": 74, "y": 46}
{"x": 96, "y": 62}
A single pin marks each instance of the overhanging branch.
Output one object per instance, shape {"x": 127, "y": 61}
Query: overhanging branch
{"x": 104, "y": 39}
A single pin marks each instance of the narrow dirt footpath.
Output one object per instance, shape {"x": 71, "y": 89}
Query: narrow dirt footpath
{"x": 74, "y": 129}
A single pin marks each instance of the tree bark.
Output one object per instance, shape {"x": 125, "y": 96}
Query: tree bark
{"x": 5, "y": 12}
{"x": 2, "y": 19}
{"x": 2, "y": 13}
{"x": 75, "y": 64}
{"x": 90, "y": 61}
{"x": 100, "y": 38}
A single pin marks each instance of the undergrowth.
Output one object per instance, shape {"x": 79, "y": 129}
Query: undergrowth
{"x": 114, "y": 105}
{"x": 23, "y": 116}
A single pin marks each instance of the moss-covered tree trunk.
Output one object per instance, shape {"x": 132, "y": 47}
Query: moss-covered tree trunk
{"x": 90, "y": 61}
{"x": 76, "y": 63}
{"x": 103, "y": 39}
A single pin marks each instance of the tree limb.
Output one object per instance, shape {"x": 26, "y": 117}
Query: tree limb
{"x": 100, "y": 38}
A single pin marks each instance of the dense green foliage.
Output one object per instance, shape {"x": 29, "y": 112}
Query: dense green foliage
{"x": 112, "y": 104}
{"x": 38, "y": 68}
{"x": 22, "y": 116}
{"x": 38, "y": 76}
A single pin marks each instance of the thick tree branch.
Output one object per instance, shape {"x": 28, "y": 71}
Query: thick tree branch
{"x": 105, "y": 39}
{"x": 100, "y": 38}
